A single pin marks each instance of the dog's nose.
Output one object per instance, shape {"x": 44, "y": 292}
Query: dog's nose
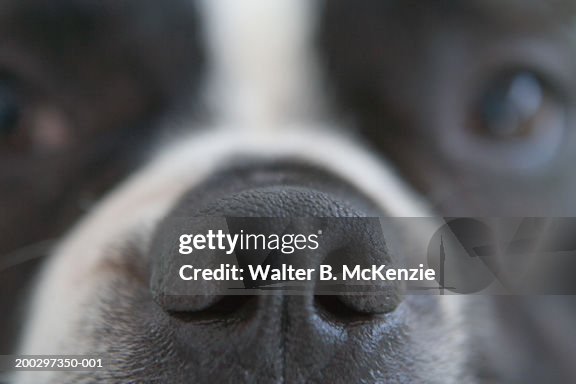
{"x": 269, "y": 321}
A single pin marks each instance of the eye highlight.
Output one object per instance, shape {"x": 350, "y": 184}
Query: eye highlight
{"x": 517, "y": 106}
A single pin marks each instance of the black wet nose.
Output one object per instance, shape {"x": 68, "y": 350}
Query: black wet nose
{"x": 308, "y": 236}
{"x": 292, "y": 315}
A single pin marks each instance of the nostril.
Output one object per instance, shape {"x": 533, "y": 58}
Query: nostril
{"x": 348, "y": 308}
{"x": 233, "y": 307}
{"x": 376, "y": 300}
{"x": 332, "y": 308}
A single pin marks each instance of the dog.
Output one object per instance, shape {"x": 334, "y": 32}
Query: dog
{"x": 132, "y": 113}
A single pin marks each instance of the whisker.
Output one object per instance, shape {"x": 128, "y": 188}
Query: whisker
{"x": 25, "y": 254}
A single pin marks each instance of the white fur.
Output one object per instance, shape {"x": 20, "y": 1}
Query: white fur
{"x": 262, "y": 65}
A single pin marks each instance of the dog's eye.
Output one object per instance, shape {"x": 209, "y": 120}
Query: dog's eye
{"x": 10, "y": 110}
{"x": 28, "y": 123}
{"x": 517, "y": 106}
{"x": 517, "y": 120}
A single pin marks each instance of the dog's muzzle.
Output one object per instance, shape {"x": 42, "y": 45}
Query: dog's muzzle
{"x": 278, "y": 328}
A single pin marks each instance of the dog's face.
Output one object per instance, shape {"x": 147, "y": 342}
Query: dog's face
{"x": 283, "y": 108}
